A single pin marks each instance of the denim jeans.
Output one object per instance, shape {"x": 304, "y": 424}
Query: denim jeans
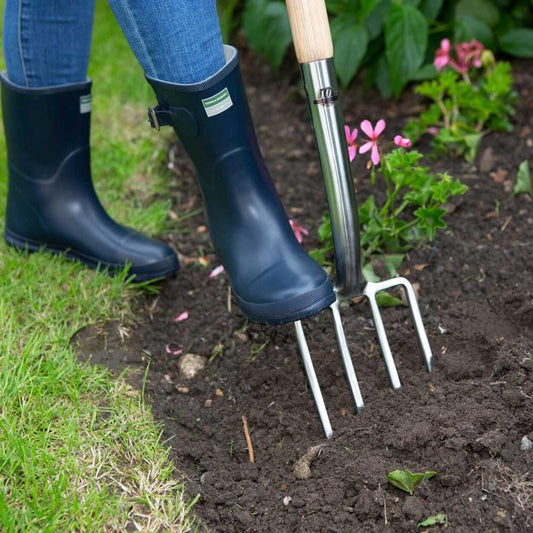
{"x": 47, "y": 42}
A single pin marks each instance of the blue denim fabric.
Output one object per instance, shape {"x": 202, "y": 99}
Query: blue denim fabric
{"x": 47, "y": 42}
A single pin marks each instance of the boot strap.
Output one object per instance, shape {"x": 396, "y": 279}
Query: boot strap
{"x": 159, "y": 116}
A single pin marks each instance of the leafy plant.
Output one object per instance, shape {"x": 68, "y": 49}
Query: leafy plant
{"x": 472, "y": 97}
{"x": 523, "y": 180}
{"x": 411, "y": 211}
{"x": 407, "y": 481}
{"x": 433, "y": 520}
{"x": 393, "y": 41}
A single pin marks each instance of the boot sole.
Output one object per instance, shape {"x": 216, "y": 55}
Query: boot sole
{"x": 297, "y": 308}
{"x": 165, "y": 269}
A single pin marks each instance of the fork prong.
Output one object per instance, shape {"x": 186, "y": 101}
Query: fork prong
{"x": 371, "y": 289}
{"x": 346, "y": 358}
{"x": 313, "y": 382}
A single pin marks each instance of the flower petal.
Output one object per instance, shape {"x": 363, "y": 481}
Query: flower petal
{"x": 375, "y": 155}
{"x": 173, "y": 352}
{"x": 182, "y": 316}
{"x": 352, "y": 152}
{"x": 366, "y": 126}
{"x": 350, "y": 136}
{"x": 380, "y": 127}
{"x": 366, "y": 147}
{"x": 216, "y": 271}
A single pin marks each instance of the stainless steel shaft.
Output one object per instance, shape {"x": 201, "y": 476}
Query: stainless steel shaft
{"x": 322, "y": 92}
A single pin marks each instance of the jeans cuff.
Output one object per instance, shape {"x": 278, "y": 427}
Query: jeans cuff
{"x": 51, "y": 89}
{"x": 232, "y": 59}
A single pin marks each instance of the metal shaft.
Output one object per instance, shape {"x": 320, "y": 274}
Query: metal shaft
{"x": 326, "y": 116}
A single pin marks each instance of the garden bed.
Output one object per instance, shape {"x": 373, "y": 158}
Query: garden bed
{"x": 466, "y": 421}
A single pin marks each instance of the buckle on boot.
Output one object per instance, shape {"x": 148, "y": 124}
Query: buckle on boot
{"x": 152, "y": 118}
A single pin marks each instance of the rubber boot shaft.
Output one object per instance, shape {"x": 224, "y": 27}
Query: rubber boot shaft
{"x": 51, "y": 201}
{"x": 273, "y": 278}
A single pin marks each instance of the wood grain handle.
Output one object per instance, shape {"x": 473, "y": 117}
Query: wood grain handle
{"x": 310, "y": 30}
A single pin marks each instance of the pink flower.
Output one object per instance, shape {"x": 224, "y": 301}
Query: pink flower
{"x": 181, "y": 317}
{"x": 216, "y": 271}
{"x": 350, "y": 139}
{"x": 467, "y": 55}
{"x": 404, "y": 142}
{"x": 442, "y": 55}
{"x": 373, "y": 134}
{"x": 298, "y": 230}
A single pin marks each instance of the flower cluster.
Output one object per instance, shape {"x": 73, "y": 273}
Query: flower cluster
{"x": 467, "y": 55}
{"x": 373, "y": 134}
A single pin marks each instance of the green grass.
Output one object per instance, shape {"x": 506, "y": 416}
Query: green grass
{"x": 80, "y": 451}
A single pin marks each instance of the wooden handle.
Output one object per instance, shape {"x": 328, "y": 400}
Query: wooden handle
{"x": 310, "y": 30}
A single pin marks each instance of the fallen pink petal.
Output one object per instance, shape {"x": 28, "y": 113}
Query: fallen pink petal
{"x": 181, "y": 317}
{"x": 298, "y": 230}
{"x": 216, "y": 271}
{"x": 172, "y": 352}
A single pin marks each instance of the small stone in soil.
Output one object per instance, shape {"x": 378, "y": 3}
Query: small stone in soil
{"x": 190, "y": 364}
{"x": 297, "y": 502}
{"x": 526, "y": 445}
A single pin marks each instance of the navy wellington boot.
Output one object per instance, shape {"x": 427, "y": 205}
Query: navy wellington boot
{"x": 274, "y": 280}
{"x": 51, "y": 202}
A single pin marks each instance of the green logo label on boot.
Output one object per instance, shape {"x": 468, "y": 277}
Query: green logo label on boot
{"x": 214, "y": 105}
{"x": 85, "y": 103}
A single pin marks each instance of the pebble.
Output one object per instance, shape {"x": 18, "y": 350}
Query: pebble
{"x": 190, "y": 364}
{"x": 526, "y": 445}
{"x": 297, "y": 502}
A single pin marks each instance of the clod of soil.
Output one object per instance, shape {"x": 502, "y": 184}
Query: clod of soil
{"x": 302, "y": 467}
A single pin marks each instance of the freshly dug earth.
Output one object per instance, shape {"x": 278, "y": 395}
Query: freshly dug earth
{"x": 466, "y": 421}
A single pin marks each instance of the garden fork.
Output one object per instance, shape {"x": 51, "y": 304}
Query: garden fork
{"x": 314, "y": 51}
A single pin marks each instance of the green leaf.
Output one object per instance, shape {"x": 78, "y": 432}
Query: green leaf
{"x": 319, "y": 255}
{"x": 266, "y": 25}
{"x": 374, "y": 21}
{"x": 425, "y": 72}
{"x": 406, "y": 480}
{"x": 472, "y": 141}
{"x": 384, "y": 299}
{"x": 433, "y": 520}
{"x": 406, "y": 35}
{"x": 431, "y": 8}
{"x": 523, "y": 180}
{"x": 468, "y": 28}
{"x": 431, "y": 220}
{"x": 368, "y": 273}
{"x": 350, "y": 41}
{"x": 517, "y": 42}
{"x": 393, "y": 262}
{"x": 482, "y": 9}
{"x": 381, "y": 75}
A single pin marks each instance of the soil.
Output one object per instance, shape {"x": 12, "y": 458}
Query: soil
{"x": 466, "y": 420}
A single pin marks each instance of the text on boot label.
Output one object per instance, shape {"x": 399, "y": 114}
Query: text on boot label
{"x": 216, "y": 104}
{"x": 85, "y": 103}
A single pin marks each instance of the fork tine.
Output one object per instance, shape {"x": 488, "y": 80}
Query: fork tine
{"x": 311, "y": 376}
{"x": 346, "y": 358}
{"x": 419, "y": 325}
{"x": 370, "y": 291}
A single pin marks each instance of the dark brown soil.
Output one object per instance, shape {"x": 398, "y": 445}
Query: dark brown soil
{"x": 466, "y": 420}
